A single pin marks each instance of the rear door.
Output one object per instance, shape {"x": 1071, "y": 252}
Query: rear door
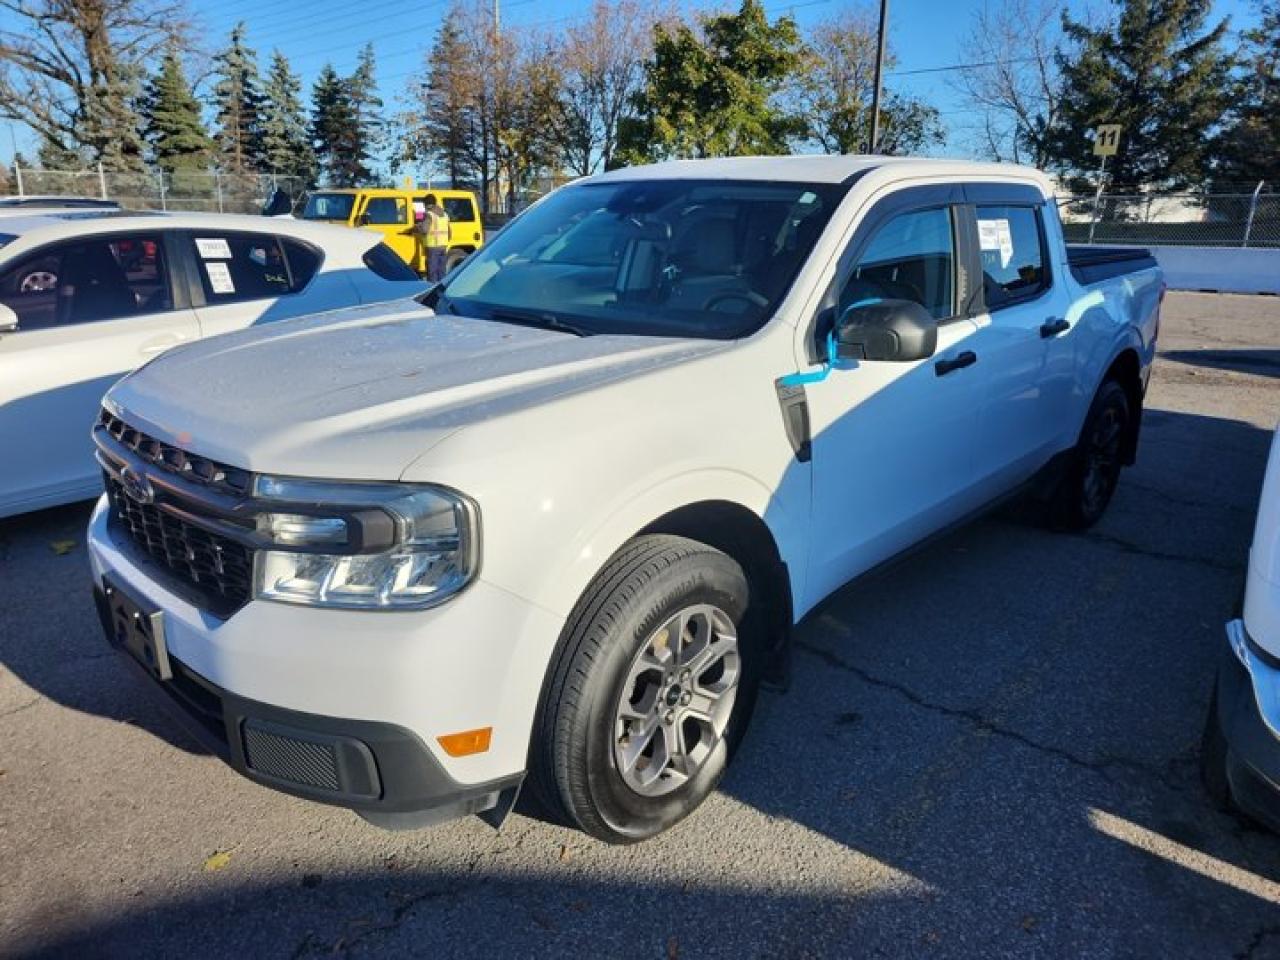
{"x": 464, "y": 222}
{"x": 1016, "y": 319}
{"x": 89, "y": 311}
{"x": 237, "y": 279}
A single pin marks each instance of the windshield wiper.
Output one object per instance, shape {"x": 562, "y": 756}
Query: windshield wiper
{"x": 543, "y": 321}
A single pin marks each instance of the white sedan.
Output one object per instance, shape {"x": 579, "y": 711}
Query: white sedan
{"x": 87, "y": 296}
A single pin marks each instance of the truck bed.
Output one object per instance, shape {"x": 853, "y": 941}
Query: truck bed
{"x": 1092, "y": 264}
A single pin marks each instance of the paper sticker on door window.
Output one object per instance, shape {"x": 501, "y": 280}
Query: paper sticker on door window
{"x": 995, "y": 236}
{"x": 219, "y": 278}
{"x": 213, "y": 248}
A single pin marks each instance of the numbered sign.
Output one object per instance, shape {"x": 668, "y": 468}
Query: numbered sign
{"x": 1106, "y": 138}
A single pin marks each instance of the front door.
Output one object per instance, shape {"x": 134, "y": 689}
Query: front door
{"x": 393, "y": 218}
{"x": 89, "y": 311}
{"x": 894, "y": 443}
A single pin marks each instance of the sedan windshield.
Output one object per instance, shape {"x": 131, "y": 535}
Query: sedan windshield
{"x": 689, "y": 258}
{"x": 329, "y": 206}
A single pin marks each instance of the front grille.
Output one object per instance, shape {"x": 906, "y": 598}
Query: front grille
{"x": 304, "y": 762}
{"x": 219, "y": 569}
{"x": 189, "y": 466}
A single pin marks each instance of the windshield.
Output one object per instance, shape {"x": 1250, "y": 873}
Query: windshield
{"x": 690, "y": 258}
{"x": 329, "y": 206}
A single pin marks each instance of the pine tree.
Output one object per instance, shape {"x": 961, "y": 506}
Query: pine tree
{"x": 445, "y": 120}
{"x": 111, "y": 129}
{"x": 286, "y": 143}
{"x": 1158, "y": 73}
{"x": 366, "y": 105}
{"x": 55, "y": 155}
{"x": 1249, "y": 148}
{"x": 238, "y": 100}
{"x": 172, "y": 124}
{"x": 335, "y": 134}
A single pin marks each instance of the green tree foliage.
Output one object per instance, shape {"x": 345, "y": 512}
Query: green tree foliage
{"x": 70, "y": 70}
{"x": 1249, "y": 148}
{"x": 832, "y": 90}
{"x": 238, "y": 101}
{"x": 367, "y": 107}
{"x": 713, "y": 92}
{"x": 442, "y": 126}
{"x": 286, "y": 142}
{"x": 1156, "y": 70}
{"x": 172, "y": 125}
{"x": 335, "y": 131}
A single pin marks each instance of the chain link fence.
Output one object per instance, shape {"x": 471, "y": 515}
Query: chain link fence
{"x": 157, "y": 190}
{"x": 1222, "y": 219}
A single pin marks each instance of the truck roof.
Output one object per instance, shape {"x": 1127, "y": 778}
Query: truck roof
{"x": 396, "y": 191}
{"x": 823, "y": 168}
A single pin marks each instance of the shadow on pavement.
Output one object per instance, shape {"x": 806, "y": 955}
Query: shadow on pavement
{"x": 1260, "y": 363}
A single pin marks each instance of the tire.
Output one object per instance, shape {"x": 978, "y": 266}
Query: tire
{"x": 1213, "y": 758}
{"x": 454, "y": 258}
{"x": 623, "y": 718}
{"x": 1090, "y": 481}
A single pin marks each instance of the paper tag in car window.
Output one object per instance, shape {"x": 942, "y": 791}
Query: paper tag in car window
{"x": 219, "y": 278}
{"x": 995, "y": 236}
{"x": 213, "y": 248}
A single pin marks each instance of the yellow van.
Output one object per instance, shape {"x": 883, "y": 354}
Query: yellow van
{"x": 391, "y": 212}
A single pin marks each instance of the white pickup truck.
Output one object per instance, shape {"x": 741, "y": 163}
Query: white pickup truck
{"x": 551, "y": 523}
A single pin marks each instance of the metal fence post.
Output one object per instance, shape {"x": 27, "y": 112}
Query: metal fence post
{"x": 17, "y": 172}
{"x": 1253, "y": 208}
{"x": 164, "y": 204}
{"x": 217, "y": 185}
{"x": 102, "y": 180}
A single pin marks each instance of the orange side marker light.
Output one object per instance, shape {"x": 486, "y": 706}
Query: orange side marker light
{"x": 467, "y": 742}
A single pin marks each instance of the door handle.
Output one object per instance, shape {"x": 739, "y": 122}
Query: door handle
{"x": 1054, "y": 326}
{"x": 966, "y": 359}
{"x": 161, "y": 343}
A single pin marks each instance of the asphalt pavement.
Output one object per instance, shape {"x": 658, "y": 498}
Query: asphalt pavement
{"x": 990, "y": 750}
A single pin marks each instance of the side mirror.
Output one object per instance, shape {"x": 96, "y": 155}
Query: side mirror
{"x": 8, "y": 319}
{"x": 900, "y": 330}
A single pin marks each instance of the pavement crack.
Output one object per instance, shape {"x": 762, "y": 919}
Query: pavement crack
{"x": 1101, "y": 766}
{"x": 18, "y": 709}
{"x": 1138, "y": 549}
{"x": 1260, "y": 936}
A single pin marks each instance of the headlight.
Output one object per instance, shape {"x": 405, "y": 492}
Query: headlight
{"x": 363, "y": 545}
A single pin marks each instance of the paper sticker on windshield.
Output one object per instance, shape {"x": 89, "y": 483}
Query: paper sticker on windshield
{"x": 219, "y": 278}
{"x": 213, "y": 248}
{"x": 996, "y": 237}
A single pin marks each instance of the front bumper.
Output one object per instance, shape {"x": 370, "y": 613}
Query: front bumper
{"x": 1248, "y": 703}
{"x": 367, "y": 691}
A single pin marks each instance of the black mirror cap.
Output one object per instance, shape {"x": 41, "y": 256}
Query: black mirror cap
{"x": 900, "y": 330}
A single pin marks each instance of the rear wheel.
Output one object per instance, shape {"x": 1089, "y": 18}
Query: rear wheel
{"x": 1094, "y": 470}
{"x": 653, "y": 686}
{"x": 454, "y": 258}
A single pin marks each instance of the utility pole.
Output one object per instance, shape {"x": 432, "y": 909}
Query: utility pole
{"x": 497, "y": 17}
{"x": 875, "y": 96}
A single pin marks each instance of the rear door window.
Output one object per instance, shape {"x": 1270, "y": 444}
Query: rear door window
{"x": 460, "y": 209}
{"x": 235, "y": 267}
{"x": 1011, "y": 245}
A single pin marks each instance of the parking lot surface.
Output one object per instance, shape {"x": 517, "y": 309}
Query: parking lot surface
{"x": 990, "y": 750}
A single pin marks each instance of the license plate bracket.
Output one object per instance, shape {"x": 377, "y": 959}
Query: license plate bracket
{"x": 138, "y": 628}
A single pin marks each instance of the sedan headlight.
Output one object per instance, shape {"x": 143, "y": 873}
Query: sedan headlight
{"x": 363, "y": 545}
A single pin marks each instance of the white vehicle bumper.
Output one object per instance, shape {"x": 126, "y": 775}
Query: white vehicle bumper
{"x": 364, "y": 695}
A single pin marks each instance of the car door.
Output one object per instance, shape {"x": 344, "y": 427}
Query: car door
{"x": 893, "y": 442}
{"x": 237, "y": 279}
{"x": 393, "y": 218}
{"x": 1016, "y": 323}
{"x": 89, "y": 310}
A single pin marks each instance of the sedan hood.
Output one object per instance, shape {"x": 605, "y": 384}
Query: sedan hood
{"x": 361, "y": 393}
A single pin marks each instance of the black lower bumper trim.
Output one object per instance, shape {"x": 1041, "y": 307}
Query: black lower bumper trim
{"x": 1253, "y": 751}
{"x": 380, "y": 770}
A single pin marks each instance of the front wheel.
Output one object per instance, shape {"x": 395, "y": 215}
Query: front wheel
{"x": 653, "y": 686}
{"x": 1094, "y": 469}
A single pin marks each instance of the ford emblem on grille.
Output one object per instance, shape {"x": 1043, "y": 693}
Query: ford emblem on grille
{"x": 136, "y": 485}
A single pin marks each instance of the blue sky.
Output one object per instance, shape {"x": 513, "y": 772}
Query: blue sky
{"x": 925, "y": 33}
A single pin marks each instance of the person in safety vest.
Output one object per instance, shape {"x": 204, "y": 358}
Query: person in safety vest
{"x": 434, "y": 230}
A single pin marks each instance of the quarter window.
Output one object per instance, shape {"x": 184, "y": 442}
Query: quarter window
{"x": 459, "y": 209}
{"x": 100, "y": 278}
{"x": 912, "y": 257}
{"x": 1011, "y": 243}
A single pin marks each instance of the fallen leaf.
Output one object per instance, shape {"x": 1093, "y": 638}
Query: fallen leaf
{"x": 673, "y": 948}
{"x": 62, "y": 547}
{"x": 217, "y": 860}
{"x": 565, "y": 852}
{"x": 1029, "y": 923}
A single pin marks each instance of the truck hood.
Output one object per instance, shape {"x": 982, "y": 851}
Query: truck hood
{"x": 362, "y": 392}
